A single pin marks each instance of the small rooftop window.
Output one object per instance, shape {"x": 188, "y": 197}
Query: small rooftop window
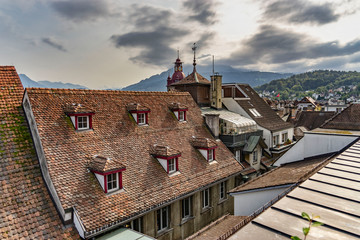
{"x": 206, "y": 147}
{"x": 139, "y": 113}
{"x": 167, "y": 157}
{"x": 80, "y": 115}
{"x": 179, "y": 110}
{"x": 254, "y": 112}
{"x": 108, "y": 172}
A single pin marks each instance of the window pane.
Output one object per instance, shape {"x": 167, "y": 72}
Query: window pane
{"x": 164, "y": 218}
{"x": 82, "y": 122}
{"x": 158, "y": 219}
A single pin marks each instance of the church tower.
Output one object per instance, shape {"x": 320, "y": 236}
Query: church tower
{"x": 178, "y": 73}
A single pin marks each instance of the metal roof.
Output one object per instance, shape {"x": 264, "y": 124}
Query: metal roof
{"x": 232, "y": 117}
{"x": 333, "y": 193}
{"x": 126, "y": 234}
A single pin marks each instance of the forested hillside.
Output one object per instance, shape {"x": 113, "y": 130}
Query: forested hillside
{"x": 319, "y": 81}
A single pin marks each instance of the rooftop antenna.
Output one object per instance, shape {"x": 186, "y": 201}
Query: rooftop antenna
{"x": 213, "y": 64}
{"x": 178, "y": 52}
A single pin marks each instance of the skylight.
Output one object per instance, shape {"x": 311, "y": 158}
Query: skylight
{"x": 255, "y": 112}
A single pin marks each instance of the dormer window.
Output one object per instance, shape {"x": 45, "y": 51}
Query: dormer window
{"x": 206, "y": 147}
{"x": 167, "y": 157}
{"x": 179, "y": 111}
{"x": 139, "y": 113}
{"x": 80, "y": 115}
{"x": 108, "y": 172}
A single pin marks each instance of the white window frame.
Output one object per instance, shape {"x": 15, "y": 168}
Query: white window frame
{"x": 116, "y": 181}
{"x": 283, "y": 136}
{"x": 141, "y": 120}
{"x": 78, "y": 122}
{"x": 255, "y": 157}
{"x": 277, "y": 138}
{"x": 163, "y": 225}
{"x": 172, "y": 165}
{"x": 181, "y": 116}
{"x": 206, "y": 198}
{"x": 211, "y": 156}
{"x": 186, "y": 209}
{"x": 222, "y": 190}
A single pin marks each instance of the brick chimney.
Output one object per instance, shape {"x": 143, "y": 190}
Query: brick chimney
{"x": 215, "y": 91}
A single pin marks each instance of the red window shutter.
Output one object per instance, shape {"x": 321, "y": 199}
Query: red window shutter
{"x": 120, "y": 180}
{"x": 184, "y": 115}
{"x": 214, "y": 153}
{"x": 147, "y": 120}
{"x": 177, "y": 164}
{"x": 76, "y": 122}
{"x": 90, "y": 122}
{"x": 105, "y": 184}
{"x": 137, "y": 118}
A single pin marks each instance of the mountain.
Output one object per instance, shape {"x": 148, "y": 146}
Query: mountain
{"x": 27, "y": 82}
{"x": 230, "y": 75}
{"x": 319, "y": 81}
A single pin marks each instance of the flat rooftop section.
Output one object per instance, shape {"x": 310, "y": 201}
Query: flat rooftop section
{"x": 332, "y": 193}
{"x": 217, "y": 228}
{"x": 335, "y": 131}
{"x": 286, "y": 174}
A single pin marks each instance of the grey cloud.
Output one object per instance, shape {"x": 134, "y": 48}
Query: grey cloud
{"x": 82, "y": 10}
{"x": 53, "y": 43}
{"x": 301, "y": 11}
{"x": 272, "y": 45}
{"x": 154, "y": 44}
{"x": 142, "y": 16}
{"x": 203, "y": 11}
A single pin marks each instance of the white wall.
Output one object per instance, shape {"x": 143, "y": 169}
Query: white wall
{"x": 204, "y": 153}
{"x": 267, "y": 136}
{"x": 233, "y": 106}
{"x": 163, "y": 163}
{"x": 100, "y": 178}
{"x": 247, "y": 203}
{"x": 78, "y": 224}
{"x": 314, "y": 144}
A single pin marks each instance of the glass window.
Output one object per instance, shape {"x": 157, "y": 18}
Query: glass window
{"x": 181, "y": 116}
{"x": 112, "y": 181}
{"x": 186, "y": 207}
{"x": 276, "y": 140}
{"x": 238, "y": 155}
{"x": 83, "y": 122}
{"x": 136, "y": 225}
{"x": 162, "y": 218}
{"x": 284, "y": 137}
{"x": 222, "y": 188}
{"x": 255, "y": 157}
{"x": 172, "y": 165}
{"x": 206, "y": 198}
{"x": 211, "y": 155}
{"x": 141, "y": 118}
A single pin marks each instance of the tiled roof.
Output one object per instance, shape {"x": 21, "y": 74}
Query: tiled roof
{"x": 136, "y": 107}
{"x": 117, "y": 136}
{"x": 269, "y": 119}
{"x": 26, "y": 209}
{"x": 164, "y": 151}
{"x": 177, "y": 106}
{"x": 103, "y": 164}
{"x": 193, "y": 78}
{"x": 286, "y": 174}
{"x": 312, "y": 119}
{"x": 201, "y": 142}
{"x": 77, "y": 108}
{"x": 348, "y": 119}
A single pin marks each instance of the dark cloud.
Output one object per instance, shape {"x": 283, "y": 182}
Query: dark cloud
{"x": 143, "y": 16}
{"x": 273, "y": 45}
{"x": 82, "y": 10}
{"x": 203, "y": 11}
{"x": 154, "y": 45}
{"x": 53, "y": 43}
{"x": 301, "y": 11}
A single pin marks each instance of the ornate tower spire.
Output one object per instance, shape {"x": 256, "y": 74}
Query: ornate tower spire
{"x": 194, "y": 62}
{"x": 178, "y": 71}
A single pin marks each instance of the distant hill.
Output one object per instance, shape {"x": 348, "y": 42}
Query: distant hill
{"x": 319, "y": 81}
{"x": 27, "y": 82}
{"x": 230, "y": 75}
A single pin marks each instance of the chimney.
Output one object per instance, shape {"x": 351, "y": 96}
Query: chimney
{"x": 212, "y": 121}
{"x": 215, "y": 91}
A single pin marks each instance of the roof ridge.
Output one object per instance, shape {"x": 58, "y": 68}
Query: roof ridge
{"x": 334, "y": 116}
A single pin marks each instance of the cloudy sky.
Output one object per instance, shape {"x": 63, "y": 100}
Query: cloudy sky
{"x": 115, "y": 43}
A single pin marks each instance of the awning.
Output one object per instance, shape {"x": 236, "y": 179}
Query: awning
{"x": 232, "y": 117}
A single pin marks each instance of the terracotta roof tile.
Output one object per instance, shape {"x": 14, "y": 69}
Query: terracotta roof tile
{"x": 26, "y": 208}
{"x": 117, "y": 136}
{"x": 77, "y": 108}
{"x": 177, "y": 106}
{"x": 164, "y": 151}
{"x": 136, "y": 107}
{"x": 201, "y": 142}
{"x": 193, "y": 78}
{"x": 103, "y": 164}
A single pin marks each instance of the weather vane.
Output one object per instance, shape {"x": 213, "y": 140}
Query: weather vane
{"x": 194, "y": 49}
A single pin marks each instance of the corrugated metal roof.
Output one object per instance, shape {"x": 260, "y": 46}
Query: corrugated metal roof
{"x": 232, "y": 117}
{"x": 125, "y": 234}
{"x": 332, "y": 193}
